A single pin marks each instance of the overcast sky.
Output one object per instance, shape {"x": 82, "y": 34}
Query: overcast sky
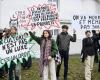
{"x": 67, "y": 9}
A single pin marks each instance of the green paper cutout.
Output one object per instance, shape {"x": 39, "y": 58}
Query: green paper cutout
{"x": 8, "y": 64}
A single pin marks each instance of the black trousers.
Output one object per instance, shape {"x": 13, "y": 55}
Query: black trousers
{"x": 65, "y": 57}
{"x": 27, "y": 64}
{"x": 11, "y": 72}
{"x": 99, "y": 67}
{"x": 1, "y": 72}
{"x": 96, "y": 56}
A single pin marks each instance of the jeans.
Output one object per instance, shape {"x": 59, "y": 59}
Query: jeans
{"x": 96, "y": 56}
{"x": 65, "y": 56}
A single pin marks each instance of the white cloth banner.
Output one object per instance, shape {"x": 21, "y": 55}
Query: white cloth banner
{"x": 86, "y": 22}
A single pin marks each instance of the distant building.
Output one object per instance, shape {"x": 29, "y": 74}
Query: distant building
{"x": 66, "y": 9}
{"x": 57, "y": 3}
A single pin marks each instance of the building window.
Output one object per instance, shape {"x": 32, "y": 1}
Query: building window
{"x": 13, "y": 22}
{"x": 56, "y": 31}
{"x": 56, "y": 1}
{"x": 50, "y": 0}
{"x": 51, "y": 31}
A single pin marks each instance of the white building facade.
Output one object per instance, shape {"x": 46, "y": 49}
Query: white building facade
{"x": 66, "y": 8}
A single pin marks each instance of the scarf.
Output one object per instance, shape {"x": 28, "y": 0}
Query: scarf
{"x": 45, "y": 49}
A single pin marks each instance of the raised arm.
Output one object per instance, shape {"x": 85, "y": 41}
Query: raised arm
{"x": 73, "y": 38}
{"x": 33, "y": 37}
{"x": 54, "y": 49}
{"x": 57, "y": 40}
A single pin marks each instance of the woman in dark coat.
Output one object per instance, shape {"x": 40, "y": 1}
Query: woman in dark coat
{"x": 88, "y": 52}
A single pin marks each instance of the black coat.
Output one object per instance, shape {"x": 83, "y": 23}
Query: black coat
{"x": 87, "y": 47}
{"x": 96, "y": 39}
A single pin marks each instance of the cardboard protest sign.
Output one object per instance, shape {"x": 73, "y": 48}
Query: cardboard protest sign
{"x": 14, "y": 48}
{"x": 36, "y": 17}
{"x": 86, "y": 22}
{"x": 41, "y": 16}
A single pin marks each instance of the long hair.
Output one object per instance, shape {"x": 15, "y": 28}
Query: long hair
{"x": 6, "y": 33}
{"x": 49, "y": 37}
{"x": 1, "y": 35}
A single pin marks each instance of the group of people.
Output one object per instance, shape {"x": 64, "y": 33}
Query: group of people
{"x": 90, "y": 51}
{"x": 14, "y": 72}
{"x": 49, "y": 48}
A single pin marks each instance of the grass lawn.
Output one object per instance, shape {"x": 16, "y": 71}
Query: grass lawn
{"x": 76, "y": 70}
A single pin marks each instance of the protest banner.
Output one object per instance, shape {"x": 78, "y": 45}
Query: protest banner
{"x": 41, "y": 16}
{"x": 36, "y": 17}
{"x": 15, "y": 48}
{"x": 86, "y": 22}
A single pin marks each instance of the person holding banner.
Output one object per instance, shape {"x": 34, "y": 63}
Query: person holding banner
{"x": 63, "y": 42}
{"x": 15, "y": 69}
{"x": 48, "y": 49}
{"x": 88, "y": 52}
{"x": 2, "y": 68}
